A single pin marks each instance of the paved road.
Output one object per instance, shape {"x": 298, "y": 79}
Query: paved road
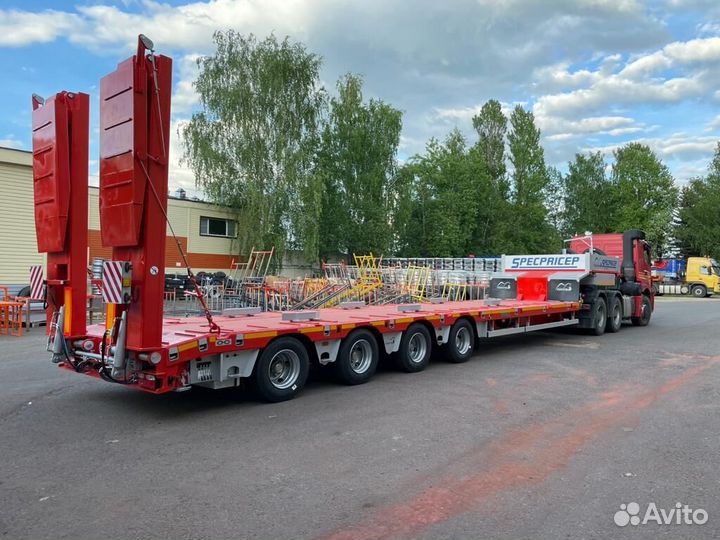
{"x": 542, "y": 436}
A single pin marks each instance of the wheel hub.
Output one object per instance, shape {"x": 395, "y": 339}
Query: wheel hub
{"x": 462, "y": 341}
{"x": 284, "y": 369}
{"x": 417, "y": 348}
{"x": 360, "y": 356}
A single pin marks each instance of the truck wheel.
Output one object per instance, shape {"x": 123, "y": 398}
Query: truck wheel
{"x": 699, "y": 291}
{"x": 645, "y": 314}
{"x": 614, "y": 319}
{"x": 461, "y": 342}
{"x": 415, "y": 349}
{"x": 358, "y": 358}
{"x": 599, "y": 317}
{"x": 281, "y": 370}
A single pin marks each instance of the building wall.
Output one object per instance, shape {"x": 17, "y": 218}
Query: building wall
{"x": 18, "y": 244}
{"x": 204, "y": 253}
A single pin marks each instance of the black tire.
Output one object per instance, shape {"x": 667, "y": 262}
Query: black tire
{"x": 699, "y": 291}
{"x": 615, "y": 315}
{"x": 282, "y": 370}
{"x": 358, "y": 358}
{"x": 644, "y": 319}
{"x": 599, "y": 317}
{"x": 415, "y": 349}
{"x": 461, "y": 342}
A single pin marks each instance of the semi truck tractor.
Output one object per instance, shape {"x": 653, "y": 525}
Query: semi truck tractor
{"x": 696, "y": 276}
{"x": 622, "y": 294}
{"x": 597, "y": 284}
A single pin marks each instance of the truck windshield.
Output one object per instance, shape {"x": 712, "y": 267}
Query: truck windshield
{"x": 714, "y": 269}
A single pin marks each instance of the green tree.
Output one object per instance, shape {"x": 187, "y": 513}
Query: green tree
{"x": 555, "y": 199}
{"x": 491, "y": 186}
{"x": 589, "y": 196}
{"x": 532, "y": 233}
{"x": 646, "y": 193}
{"x": 438, "y": 202}
{"x": 698, "y": 228}
{"x": 252, "y": 145}
{"x": 357, "y": 163}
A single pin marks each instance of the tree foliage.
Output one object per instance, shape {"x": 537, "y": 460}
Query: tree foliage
{"x": 588, "y": 196}
{"x": 305, "y": 171}
{"x": 357, "y": 164}
{"x": 530, "y": 182}
{"x": 437, "y": 200}
{"x": 698, "y": 229}
{"x": 493, "y": 223}
{"x": 252, "y": 145}
{"x": 645, "y": 193}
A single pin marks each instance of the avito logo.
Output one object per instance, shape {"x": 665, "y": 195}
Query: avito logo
{"x": 681, "y": 514}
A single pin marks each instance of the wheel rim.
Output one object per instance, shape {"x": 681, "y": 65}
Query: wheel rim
{"x": 284, "y": 369}
{"x": 417, "y": 347}
{"x": 617, "y": 317}
{"x": 462, "y": 341}
{"x": 361, "y": 356}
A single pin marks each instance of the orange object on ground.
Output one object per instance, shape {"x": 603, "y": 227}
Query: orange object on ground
{"x": 11, "y": 317}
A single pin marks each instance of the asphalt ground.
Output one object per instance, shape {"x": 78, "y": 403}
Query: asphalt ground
{"x": 545, "y": 435}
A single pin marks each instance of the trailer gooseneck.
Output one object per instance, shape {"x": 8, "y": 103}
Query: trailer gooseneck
{"x": 587, "y": 287}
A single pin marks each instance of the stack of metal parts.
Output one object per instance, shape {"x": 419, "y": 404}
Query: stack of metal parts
{"x": 372, "y": 280}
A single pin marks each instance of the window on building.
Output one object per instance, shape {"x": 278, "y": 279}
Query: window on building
{"x": 217, "y": 227}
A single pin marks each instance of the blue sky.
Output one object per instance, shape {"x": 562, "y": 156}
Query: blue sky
{"x": 596, "y": 73}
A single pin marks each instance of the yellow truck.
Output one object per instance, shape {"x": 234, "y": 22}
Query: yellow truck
{"x": 697, "y": 276}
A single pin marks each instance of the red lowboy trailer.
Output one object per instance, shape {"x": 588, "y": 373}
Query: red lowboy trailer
{"x": 139, "y": 347}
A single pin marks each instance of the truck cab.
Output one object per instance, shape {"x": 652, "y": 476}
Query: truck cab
{"x": 703, "y": 271}
{"x": 630, "y": 286}
{"x": 696, "y": 276}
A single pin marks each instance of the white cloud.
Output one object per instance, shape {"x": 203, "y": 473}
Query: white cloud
{"x": 185, "y": 96}
{"x": 714, "y": 124}
{"x": 190, "y": 26}
{"x": 709, "y": 28}
{"x": 19, "y": 28}
{"x": 179, "y": 175}
{"x": 10, "y": 141}
{"x": 679, "y": 146}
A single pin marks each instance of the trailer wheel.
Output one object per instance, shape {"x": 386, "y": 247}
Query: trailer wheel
{"x": 281, "y": 370}
{"x": 415, "y": 349}
{"x": 699, "y": 291}
{"x": 358, "y": 358}
{"x": 645, "y": 313}
{"x": 461, "y": 342}
{"x": 599, "y": 316}
{"x": 614, "y": 320}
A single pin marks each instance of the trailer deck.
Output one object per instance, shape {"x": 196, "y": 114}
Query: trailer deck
{"x": 189, "y": 339}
